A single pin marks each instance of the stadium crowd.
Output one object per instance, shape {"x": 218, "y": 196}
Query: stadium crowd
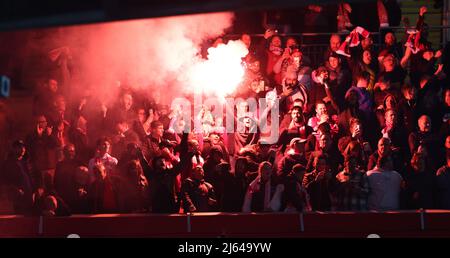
{"x": 368, "y": 129}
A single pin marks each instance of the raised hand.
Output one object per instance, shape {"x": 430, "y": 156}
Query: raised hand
{"x": 49, "y": 130}
{"x": 347, "y": 7}
{"x": 439, "y": 69}
{"x": 40, "y": 130}
{"x": 438, "y": 54}
{"x": 422, "y": 10}
{"x": 286, "y": 53}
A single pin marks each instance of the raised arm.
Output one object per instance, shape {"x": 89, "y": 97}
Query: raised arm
{"x": 278, "y": 65}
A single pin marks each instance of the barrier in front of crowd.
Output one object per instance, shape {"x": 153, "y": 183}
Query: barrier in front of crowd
{"x": 422, "y": 223}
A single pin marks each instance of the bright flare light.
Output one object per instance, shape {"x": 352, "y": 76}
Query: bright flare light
{"x": 222, "y": 72}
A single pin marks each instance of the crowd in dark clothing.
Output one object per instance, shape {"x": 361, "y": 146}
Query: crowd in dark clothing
{"x": 368, "y": 131}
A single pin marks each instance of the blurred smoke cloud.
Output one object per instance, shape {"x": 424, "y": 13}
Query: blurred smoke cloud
{"x": 151, "y": 53}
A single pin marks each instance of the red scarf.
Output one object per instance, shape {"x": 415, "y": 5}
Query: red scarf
{"x": 413, "y": 41}
{"x": 352, "y": 40}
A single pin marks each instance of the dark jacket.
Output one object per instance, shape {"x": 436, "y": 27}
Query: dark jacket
{"x": 293, "y": 195}
{"x": 419, "y": 189}
{"x": 64, "y": 176}
{"x": 135, "y": 194}
{"x": 340, "y": 81}
{"x": 443, "y": 188}
{"x": 81, "y": 142}
{"x": 397, "y": 157}
{"x": 432, "y": 144}
{"x": 195, "y": 199}
{"x": 120, "y": 142}
{"x": 118, "y": 113}
{"x": 233, "y": 193}
{"x": 288, "y": 134}
{"x": 287, "y": 163}
{"x": 164, "y": 197}
{"x": 104, "y": 195}
{"x": 318, "y": 189}
{"x": 151, "y": 148}
{"x": 15, "y": 174}
{"x": 335, "y": 159}
{"x": 42, "y": 150}
{"x": 188, "y": 159}
{"x": 396, "y": 77}
{"x": 408, "y": 113}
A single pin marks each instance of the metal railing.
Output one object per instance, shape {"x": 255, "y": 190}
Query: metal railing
{"x": 442, "y": 29}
